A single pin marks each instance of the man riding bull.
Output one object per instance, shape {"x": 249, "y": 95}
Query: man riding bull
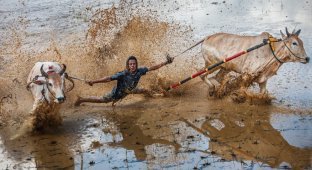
{"x": 127, "y": 82}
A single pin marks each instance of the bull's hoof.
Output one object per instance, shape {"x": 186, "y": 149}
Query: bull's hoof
{"x": 242, "y": 96}
{"x": 220, "y": 93}
{"x": 260, "y": 98}
{"x": 211, "y": 93}
{"x": 238, "y": 97}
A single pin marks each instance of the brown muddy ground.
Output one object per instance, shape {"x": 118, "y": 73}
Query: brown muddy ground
{"x": 184, "y": 130}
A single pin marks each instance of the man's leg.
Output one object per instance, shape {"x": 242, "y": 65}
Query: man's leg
{"x": 105, "y": 99}
{"x": 146, "y": 92}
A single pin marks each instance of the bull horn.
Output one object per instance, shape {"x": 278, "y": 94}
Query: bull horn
{"x": 283, "y": 35}
{"x": 63, "y": 70}
{"x": 43, "y": 72}
{"x": 298, "y": 32}
{"x": 287, "y": 33}
{"x": 72, "y": 81}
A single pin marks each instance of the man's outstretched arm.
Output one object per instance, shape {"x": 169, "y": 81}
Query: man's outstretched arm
{"x": 155, "y": 67}
{"x": 102, "y": 80}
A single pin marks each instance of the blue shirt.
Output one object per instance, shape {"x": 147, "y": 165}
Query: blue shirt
{"x": 126, "y": 81}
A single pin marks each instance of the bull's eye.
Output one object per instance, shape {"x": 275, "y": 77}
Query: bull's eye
{"x": 294, "y": 43}
{"x": 50, "y": 84}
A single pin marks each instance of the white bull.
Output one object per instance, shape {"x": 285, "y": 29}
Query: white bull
{"x": 260, "y": 64}
{"x": 46, "y": 81}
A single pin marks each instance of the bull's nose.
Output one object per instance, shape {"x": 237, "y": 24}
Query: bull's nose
{"x": 61, "y": 99}
{"x": 307, "y": 59}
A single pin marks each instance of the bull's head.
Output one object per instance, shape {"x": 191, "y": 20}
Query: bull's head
{"x": 293, "y": 47}
{"x": 55, "y": 83}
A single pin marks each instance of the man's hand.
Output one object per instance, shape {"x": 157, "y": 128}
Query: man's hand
{"x": 89, "y": 82}
{"x": 169, "y": 59}
{"x": 155, "y": 67}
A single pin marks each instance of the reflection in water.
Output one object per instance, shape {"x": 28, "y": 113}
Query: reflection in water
{"x": 41, "y": 151}
{"x": 232, "y": 137}
{"x": 238, "y": 136}
{"x": 133, "y": 136}
{"x": 121, "y": 139}
{"x": 256, "y": 140}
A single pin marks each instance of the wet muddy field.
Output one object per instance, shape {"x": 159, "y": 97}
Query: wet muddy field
{"x": 185, "y": 129}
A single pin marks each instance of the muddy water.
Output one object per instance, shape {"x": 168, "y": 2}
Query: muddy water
{"x": 182, "y": 131}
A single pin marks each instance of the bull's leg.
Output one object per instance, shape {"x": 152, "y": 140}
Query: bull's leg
{"x": 210, "y": 80}
{"x": 225, "y": 83}
{"x": 212, "y": 83}
{"x": 221, "y": 74}
{"x": 263, "y": 89}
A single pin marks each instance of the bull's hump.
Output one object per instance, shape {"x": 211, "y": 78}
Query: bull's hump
{"x": 47, "y": 66}
{"x": 266, "y": 34}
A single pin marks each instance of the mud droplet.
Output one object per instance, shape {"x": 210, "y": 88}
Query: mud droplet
{"x": 53, "y": 142}
{"x": 96, "y": 144}
{"x": 91, "y": 163}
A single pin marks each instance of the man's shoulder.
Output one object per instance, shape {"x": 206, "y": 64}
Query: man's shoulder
{"x": 143, "y": 69}
{"x": 118, "y": 75}
{"x": 124, "y": 72}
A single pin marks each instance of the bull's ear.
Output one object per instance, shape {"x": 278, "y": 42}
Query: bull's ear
{"x": 63, "y": 70}
{"x": 287, "y": 33}
{"x": 283, "y": 35}
{"x": 298, "y": 32}
{"x": 43, "y": 72}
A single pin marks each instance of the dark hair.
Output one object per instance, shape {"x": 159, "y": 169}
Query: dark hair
{"x": 131, "y": 58}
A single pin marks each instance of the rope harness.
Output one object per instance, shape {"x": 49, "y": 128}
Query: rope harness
{"x": 272, "y": 47}
{"x": 45, "y": 82}
{"x": 41, "y": 83}
{"x": 292, "y": 52}
{"x": 271, "y": 40}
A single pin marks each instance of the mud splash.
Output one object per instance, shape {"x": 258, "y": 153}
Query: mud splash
{"x": 113, "y": 35}
{"x": 240, "y": 88}
{"x": 117, "y": 33}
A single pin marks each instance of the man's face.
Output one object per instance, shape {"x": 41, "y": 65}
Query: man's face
{"x": 132, "y": 65}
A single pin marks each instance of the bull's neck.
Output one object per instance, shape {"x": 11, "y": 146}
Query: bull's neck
{"x": 279, "y": 52}
{"x": 270, "y": 67}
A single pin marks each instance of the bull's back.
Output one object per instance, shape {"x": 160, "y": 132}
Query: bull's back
{"x": 219, "y": 46}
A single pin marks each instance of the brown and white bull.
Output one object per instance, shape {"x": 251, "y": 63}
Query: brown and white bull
{"x": 46, "y": 81}
{"x": 260, "y": 64}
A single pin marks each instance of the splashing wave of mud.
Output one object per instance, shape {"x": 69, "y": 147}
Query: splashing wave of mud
{"x": 113, "y": 35}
